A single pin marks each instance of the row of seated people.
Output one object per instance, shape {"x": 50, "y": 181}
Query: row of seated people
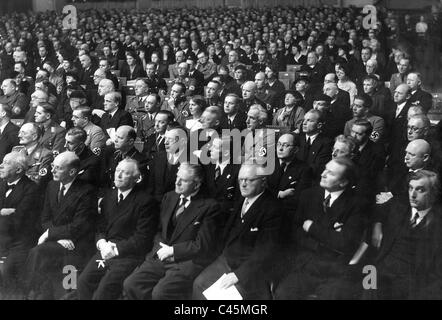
{"x": 180, "y": 248}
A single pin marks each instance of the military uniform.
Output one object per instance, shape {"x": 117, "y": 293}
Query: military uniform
{"x": 181, "y": 110}
{"x": 18, "y": 102}
{"x": 96, "y": 139}
{"x": 135, "y": 106}
{"x": 146, "y": 126}
{"x": 39, "y": 162}
{"x": 53, "y": 138}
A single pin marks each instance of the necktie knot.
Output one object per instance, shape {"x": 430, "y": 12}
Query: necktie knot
{"x": 244, "y": 207}
{"x": 217, "y": 172}
{"x": 181, "y": 206}
{"x": 120, "y": 198}
{"x": 413, "y": 221}
{"x": 61, "y": 193}
{"x": 326, "y": 203}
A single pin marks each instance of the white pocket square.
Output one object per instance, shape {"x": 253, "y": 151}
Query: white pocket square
{"x": 196, "y": 222}
{"x": 338, "y": 226}
{"x": 253, "y": 229}
{"x": 228, "y": 176}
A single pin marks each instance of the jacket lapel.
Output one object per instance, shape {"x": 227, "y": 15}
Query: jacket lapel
{"x": 187, "y": 217}
{"x": 168, "y": 211}
{"x": 121, "y": 209}
{"x": 249, "y": 218}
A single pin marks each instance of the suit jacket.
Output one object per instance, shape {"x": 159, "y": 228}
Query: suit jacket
{"x": 74, "y": 217}
{"x": 96, "y": 138}
{"x": 18, "y": 102}
{"x": 196, "y": 233}
{"x": 422, "y": 98}
{"x": 249, "y": 244}
{"x": 297, "y": 175}
{"x": 370, "y": 162}
{"x": 53, "y": 137}
{"x": 120, "y": 118}
{"x": 19, "y": 230}
{"x": 8, "y": 139}
{"x": 198, "y": 83}
{"x": 318, "y": 155}
{"x": 326, "y": 244}
{"x": 397, "y": 137}
{"x": 239, "y": 122}
{"x": 426, "y": 276}
{"x": 151, "y": 147}
{"x": 162, "y": 175}
{"x": 137, "y": 73}
{"x": 110, "y": 160}
{"x": 89, "y": 166}
{"x": 131, "y": 224}
{"x": 87, "y": 77}
{"x": 225, "y": 189}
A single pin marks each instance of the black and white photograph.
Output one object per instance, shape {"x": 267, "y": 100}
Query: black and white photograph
{"x": 220, "y": 150}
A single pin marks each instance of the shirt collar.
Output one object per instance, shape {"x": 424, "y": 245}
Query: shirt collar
{"x": 113, "y": 113}
{"x": 333, "y": 195}
{"x": 13, "y": 183}
{"x": 253, "y": 199}
{"x": 222, "y": 165}
{"x": 421, "y": 214}
{"x": 66, "y": 186}
{"x": 2, "y": 128}
{"x": 312, "y": 138}
{"x": 124, "y": 193}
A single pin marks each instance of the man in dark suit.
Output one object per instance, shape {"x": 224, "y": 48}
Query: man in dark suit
{"x": 89, "y": 161}
{"x": 233, "y": 118}
{"x": 249, "y": 240}
{"x": 53, "y": 134}
{"x": 328, "y": 230}
{"x": 125, "y": 231}
{"x": 87, "y": 71}
{"x": 114, "y": 117}
{"x": 418, "y": 96}
{"x": 339, "y": 104}
{"x": 198, "y": 77}
{"x": 19, "y": 213}
{"x": 123, "y": 148}
{"x": 333, "y": 124}
{"x": 397, "y": 124}
{"x": 186, "y": 243}
{"x": 369, "y": 157}
{"x": 222, "y": 174}
{"x": 68, "y": 220}
{"x": 164, "y": 166}
{"x": 155, "y": 142}
{"x": 290, "y": 177}
{"x": 8, "y": 131}
{"x": 409, "y": 259}
{"x": 314, "y": 147}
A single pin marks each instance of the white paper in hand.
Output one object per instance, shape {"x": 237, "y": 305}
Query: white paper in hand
{"x": 214, "y": 292}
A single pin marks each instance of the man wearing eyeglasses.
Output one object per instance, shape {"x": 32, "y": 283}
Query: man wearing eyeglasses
{"x": 68, "y": 223}
{"x": 187, "y": 242}
{"x": 290, "y": 176}
{"x": 249, "y": 240}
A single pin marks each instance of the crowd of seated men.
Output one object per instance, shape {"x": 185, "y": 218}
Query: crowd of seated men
{"x": 278, "y": 151}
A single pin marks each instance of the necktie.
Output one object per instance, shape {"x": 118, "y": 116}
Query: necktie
{"x": 283, "y": 167}
{"x": 181, "y": 207}
{"x": 308, "y": 145}
{"x": 326, "y": 203}
{"x": 413, "y": 222}
{"x": 230, "y": 123}
{"x": 217, "y": 172}
{"x": 61, "y": 193}
{"x": 159, "y": 138}
{"x": 120, "y": 198}
{"x": 9, "y": 187}
{"x": 244, "y": 208}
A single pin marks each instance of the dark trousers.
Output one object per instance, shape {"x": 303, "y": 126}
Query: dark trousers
{"x": 159, "y": 280}
{"x": 104, "y": 283}
{"x": 12, "y": 269}
{"x": 44, "y": 267}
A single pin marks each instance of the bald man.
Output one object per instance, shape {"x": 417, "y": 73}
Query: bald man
{"x": 68, "y": 219}
{"x": 417, "y": 156}
{"x": 105, "y": 86}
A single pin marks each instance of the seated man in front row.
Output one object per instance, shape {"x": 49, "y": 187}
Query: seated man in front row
{"x": 328, "y": 229}
{"x": 186, "y": 244}
{"x": 125, "y": 230}
{"x": 19, "y": 214}
{"x": 410, "y": 256}
{"x": 250, "y": 238}
{"x": 68, "y": 220}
